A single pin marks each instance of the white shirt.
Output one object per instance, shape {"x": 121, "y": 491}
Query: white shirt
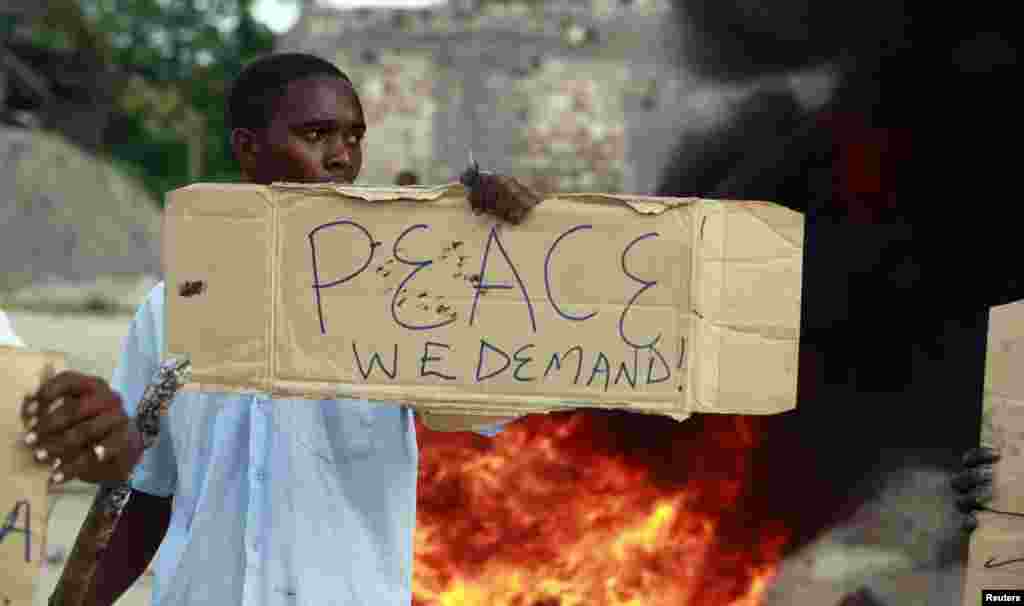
{"x": 276, "y": 502}
{"x": 7, "y": 336}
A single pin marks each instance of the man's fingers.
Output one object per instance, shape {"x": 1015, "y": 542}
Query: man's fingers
{"x": 517, "y": 200}
{"x": 68, "y": 382}
{"x": 974, "y": 500}
{"x": 972, "y": 478}
{"x": 70, "y": 442}
{"x": 980, "y": 456}
{"x": 526, "y": 197}
{"x": 104, "y": 460}
{"x": 32, "y": 406}
{"x": 47, "y": 419}
{"x": 68, "y": 410}
{"x": 99, "y": 401}
{"x": 970, "y": 522}
{"x": 29, "y": 407}
{"x": 473, "y": 181}
{"x": 57, "y": 391}
{"x": 73, "y": 470}
{"x": 48, "y": 426}
{"x": 483, "y": 196}
{"x": 503, "y": 197}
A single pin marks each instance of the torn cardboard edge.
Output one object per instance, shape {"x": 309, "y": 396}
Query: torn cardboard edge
{"x": 709, "y": 329}
{"x": 642, "y": 204}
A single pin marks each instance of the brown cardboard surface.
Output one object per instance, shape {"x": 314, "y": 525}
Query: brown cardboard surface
{"x": 402, "y": 313}
{"x": 23, "y": 494}
{"x": 1000, "y": 537}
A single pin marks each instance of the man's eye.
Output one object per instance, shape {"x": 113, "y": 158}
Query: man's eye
{"x": 314, "y": 136}
{"x": 354, "y": 139}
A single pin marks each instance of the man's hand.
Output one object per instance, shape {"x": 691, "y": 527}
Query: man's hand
{"x": 77, "y": 424}
{"x": 498, "y": 195}
{"x": 973, "y": 484}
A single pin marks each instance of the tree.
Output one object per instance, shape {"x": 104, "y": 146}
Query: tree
{"x": 178, "y": 57}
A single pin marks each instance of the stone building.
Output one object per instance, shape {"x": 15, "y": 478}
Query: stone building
{"x": 73, "y": 228}
{"x": 574, "y": 95}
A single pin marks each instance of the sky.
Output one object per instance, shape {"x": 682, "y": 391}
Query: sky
{"x": 280, "y": 15}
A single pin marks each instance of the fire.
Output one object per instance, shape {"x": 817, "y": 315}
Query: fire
{"x": 593, "y": 509}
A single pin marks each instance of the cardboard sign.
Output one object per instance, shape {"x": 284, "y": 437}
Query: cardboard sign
{"x": 996, "y": 559}
{"x": 23, "y": 494}
{"x": 656, "y": 305}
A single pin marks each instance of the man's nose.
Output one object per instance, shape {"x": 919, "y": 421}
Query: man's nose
{"x": 339, "y": 156}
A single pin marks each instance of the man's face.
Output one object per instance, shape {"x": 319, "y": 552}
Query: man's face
{"x": 315, "y": 135}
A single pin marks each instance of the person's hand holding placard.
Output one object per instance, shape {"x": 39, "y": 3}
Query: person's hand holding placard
{"x": 78, "y": 425}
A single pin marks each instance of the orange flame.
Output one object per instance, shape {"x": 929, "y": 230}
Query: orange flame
{"x": 560, "y": 510}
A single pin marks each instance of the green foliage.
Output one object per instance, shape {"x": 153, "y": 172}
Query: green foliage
{"x": 182, "y": 55}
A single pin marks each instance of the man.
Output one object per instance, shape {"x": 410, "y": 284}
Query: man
{"x": 275, "y": 501}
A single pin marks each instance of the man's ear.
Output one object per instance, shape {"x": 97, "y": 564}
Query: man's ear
{"x": 246, "y": 148}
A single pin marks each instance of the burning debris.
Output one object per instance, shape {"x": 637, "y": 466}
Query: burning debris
{"x": 562, "y": 509}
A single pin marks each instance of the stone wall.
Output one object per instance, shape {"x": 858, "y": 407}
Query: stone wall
{"x": 396, "y": 92}
{"x": 568, "y": 96}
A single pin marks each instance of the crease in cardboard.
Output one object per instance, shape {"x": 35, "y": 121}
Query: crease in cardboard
{"x": 723, "y": 281}
{"x": 274, "y": 264}
{"x": 684, "y": 322}
{"x": 708, "y": 366}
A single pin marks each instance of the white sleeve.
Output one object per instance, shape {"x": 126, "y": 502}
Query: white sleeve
{"x": 7, "y": 336}
{"x": 156, "y": 473}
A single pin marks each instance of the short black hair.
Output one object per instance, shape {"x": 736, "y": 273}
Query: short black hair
{"x": 254, "y": 95}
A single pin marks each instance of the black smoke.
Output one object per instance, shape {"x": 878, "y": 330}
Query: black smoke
{"x": 906, "y": 175}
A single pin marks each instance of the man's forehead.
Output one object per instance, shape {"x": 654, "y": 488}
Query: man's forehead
{"x": 319, "y": 98}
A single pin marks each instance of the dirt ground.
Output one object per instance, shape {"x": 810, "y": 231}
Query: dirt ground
{"x": 93, "y": 342}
